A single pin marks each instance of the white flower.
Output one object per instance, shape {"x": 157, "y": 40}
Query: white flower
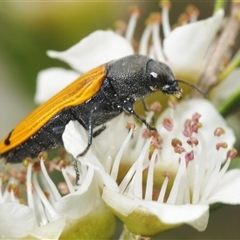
{"x": 151, "y": 182}
{"x": 37, "y": 218}
{"x": 16, "y": 220}
{"x": 184, "y": 177}
{"x": 187, "y": 46}
{"x": 47, "y": 214}
{"x": 186, "y": 168}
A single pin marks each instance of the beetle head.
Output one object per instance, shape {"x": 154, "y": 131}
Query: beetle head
{"x": 162, "y": 79}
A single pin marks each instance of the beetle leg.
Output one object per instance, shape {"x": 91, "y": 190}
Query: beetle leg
{"x": 145, "y": 106}
{"x": 97, "y": 132}
{"x": 76, "y": 168}
{"x": 59, "y": 129}
{"x": 128, "y": 107}
{"x": 90, "y": 133}
{"x": 143, "y": 120}
{"x": 146, "y": 109}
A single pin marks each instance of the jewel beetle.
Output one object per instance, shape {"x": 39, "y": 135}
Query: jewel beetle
{"x": 92, "y": 99}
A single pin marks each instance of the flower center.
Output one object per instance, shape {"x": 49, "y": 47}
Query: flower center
{"x": 173, "y": 167}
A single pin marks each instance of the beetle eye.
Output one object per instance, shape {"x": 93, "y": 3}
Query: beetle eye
{"x": 154, "y": 74}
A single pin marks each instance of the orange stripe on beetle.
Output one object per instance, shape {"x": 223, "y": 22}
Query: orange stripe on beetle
{"x": 82, "y": 89}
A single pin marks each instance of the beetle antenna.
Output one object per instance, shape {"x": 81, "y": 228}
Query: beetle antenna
{"x": 192, "y": 85}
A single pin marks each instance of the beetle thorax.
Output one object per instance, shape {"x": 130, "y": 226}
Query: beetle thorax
{"x": 128, "y": 77}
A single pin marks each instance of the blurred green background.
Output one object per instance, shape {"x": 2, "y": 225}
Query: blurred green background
{"x": 29, "y": 29}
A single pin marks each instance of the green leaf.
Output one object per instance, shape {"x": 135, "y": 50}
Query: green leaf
{"x": 235, "y": 163}
{"x": 231, "y": 104}
{"x": 218, "y": 5}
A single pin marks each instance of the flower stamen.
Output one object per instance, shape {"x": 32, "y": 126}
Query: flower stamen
{"x": 155, "y": 107}
{"x": 143, "y": 45}
{"x": 193, "y": 12}
{"x": 157, "y": 45}
{"x": 135, "y": 13}
{"x": 29, "y": 186}
{"x": 50, "y": 211}
{"x": 63, "y": 164}
{"x": 166, "y": 6}
{"x": 189, "y": 157}
{"x": 120, "y": 27}
{"x": 163, "y": 190}
{"x": 131, "y": 125}
{"x": 172, "y": 102}
{"x": 176, "y": 142}
{"x": 183, "y": 19}
{"x": 192, "y": 141}
{"x": 13, "y": 189}
{"x": 179, "y": 149}
{"x": 116, "y": 163}
{"x": 221, "y": 145}
{"x": 177, "y": 192}
{"x": 168, "y": 124}
{"x": 196, "y": 116}
{"x": 136, "y": 183}
{"x": 52, "y": 185}
{"x": 149, "y": 187}
{"x": 219, "y": 131}
{"x": 232, "y": 153}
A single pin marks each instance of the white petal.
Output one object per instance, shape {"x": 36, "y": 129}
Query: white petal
{"x": 118, "y": 201}
{"x": 75, "y": 138}
{"x": 226, "y": 88}
{"x": 51, "y": 230}
{"x": 187, "y": 46}
{"x": 96, "y": 49}
{"x": 194, "y": 215}
{"x": 75, "y": 141}
{"x": 84, "y": 201}
{"x": 228, "y": 190}
{"x": 51, "y": 81}
{"x": 15, "y": 220}
{"x": 114, "y": 136}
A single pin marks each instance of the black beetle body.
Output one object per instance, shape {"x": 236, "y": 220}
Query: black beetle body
{"x": 125, "y": 82}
